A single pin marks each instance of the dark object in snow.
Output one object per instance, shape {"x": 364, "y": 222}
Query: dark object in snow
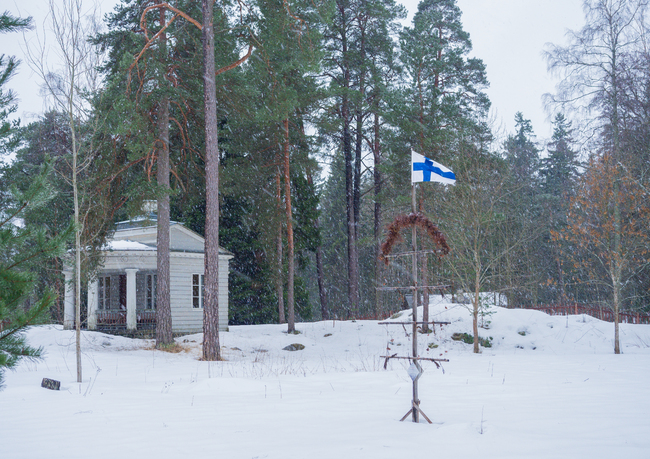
{"x": 413, "y": 219}
{"x": 294, "y": 347}
{"x": 51, "y": 384}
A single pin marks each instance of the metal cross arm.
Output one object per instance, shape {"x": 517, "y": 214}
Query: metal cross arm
{"x": 411, "y": 323}
{"x": 411, "y": 287}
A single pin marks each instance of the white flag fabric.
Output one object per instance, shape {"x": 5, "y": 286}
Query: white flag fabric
{"x": 424, "y": 169}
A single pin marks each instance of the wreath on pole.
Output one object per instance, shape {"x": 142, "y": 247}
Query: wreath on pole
{"x": 407, "y": 221}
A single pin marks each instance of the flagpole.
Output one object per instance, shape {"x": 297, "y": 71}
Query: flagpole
{"x": 416, "y": 401}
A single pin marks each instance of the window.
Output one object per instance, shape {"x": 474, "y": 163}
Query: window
{"x": 104, "y": 292}
{"x": 197, "y": 290}
{"x": 150, "y": 291}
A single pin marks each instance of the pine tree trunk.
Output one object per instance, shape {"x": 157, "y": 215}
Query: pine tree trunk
{"x": 290, "y": 257}
{"x": 211, "y": 347}
{"x": 164, "y": 334}
{"x": 376, "y": 151}
{"x": 320, "y": 273}
{"x": 357, "y": 163}
{"x": 322, "y": 294}
{"x": 353, "y": 262}
{"x": 279, "y": 280}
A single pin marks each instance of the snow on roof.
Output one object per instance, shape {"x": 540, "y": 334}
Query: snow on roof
{"x": 127, "y": 245}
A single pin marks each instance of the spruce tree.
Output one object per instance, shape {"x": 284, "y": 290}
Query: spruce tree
{"x": 518, "y": 269}
{"x": 558, "y": 174}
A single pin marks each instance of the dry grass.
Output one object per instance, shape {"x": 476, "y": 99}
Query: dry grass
{"x": 173, "y": 348}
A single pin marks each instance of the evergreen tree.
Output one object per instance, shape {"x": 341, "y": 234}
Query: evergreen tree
{"x": 518, "y": 268}
{"x": 43, "y": 141}
{"x": 444, "y": 90}
{"x": 8, "y": 65}
{"x": 22, "y": 248}
{"x": 522, "y": 153}
{"x": 361, "y": 68}
{"x": 339, "y": 63}
{"x": 443, "y": 98}
{"x": 559, "y": 170}
{"x": 558, "y": 174}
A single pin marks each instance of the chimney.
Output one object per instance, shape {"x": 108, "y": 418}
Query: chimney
{"x": 150, "y": 207}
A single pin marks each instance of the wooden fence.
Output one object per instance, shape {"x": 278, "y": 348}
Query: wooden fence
{"x": 599, "y": 312}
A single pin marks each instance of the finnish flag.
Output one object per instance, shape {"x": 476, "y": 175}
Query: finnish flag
{"x": 427, "y": 170}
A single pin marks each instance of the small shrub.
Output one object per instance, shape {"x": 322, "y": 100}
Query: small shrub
{"x": 432, "y": 345}
{"x": 485, "y": 342}
{"x": 469, "y": 339}
{"x": 464, "y": 337}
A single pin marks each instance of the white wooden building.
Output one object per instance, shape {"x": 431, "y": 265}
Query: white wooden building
{"x": 123, "y": 295}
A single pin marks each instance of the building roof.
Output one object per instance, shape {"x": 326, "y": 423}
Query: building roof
{"x": 140, "y": 233}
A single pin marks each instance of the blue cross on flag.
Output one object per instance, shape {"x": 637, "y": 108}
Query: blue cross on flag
{"x": 427, "y": 170}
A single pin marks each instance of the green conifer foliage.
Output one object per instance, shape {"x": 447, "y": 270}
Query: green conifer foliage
{"x": 22, "y": 248}
{"x": 444, "y": 93}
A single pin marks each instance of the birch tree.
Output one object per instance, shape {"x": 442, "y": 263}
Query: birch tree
{"x": 592, "y": 69}
{"x": 71, "y": 85}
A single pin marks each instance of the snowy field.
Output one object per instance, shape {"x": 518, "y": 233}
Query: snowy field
{"x": 549, "y": 387}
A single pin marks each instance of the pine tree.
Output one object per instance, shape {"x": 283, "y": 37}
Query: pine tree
{"x": 339, "y": 66}
{"x": 8, "y": 65}
{"x": 22, "y": 249}
{"x": 443, "y": 95}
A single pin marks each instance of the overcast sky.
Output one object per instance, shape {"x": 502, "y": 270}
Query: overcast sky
{"x": 508, "y": 35}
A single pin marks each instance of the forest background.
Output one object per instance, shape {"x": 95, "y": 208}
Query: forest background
{"x": 316, "y": 125}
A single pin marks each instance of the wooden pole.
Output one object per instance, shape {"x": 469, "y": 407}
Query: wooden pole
{"x": 416, "y": 300}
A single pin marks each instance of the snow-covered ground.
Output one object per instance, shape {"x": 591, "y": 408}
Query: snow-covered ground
{"x": 549, "y": 387}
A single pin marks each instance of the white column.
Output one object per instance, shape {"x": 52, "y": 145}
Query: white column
{"x": 131, "y": 317}
{"x": 92, "y": 304}
{"x": 68, "y": 301}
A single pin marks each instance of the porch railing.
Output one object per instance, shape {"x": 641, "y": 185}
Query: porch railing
{"x": 146, "y": 319}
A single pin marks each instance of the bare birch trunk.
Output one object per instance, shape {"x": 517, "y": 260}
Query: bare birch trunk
{"x": 475, "y": 304}
{"x": 77, "y": 223}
